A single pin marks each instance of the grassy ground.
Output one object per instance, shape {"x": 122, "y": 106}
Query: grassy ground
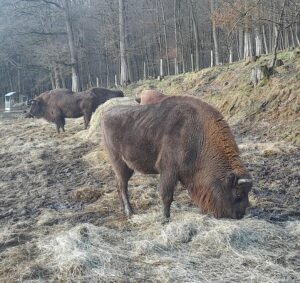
{"x": 61, "y": 220}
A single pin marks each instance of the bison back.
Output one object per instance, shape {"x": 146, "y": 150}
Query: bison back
{"x": 101, "y": 95}
{"x": 151, "y": 136}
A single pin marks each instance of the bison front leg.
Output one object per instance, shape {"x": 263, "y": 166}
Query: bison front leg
{"x": 167, "y": 186}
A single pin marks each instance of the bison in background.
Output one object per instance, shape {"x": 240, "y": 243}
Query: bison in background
{"x": 150, "y": 96}
{"x": 101, "y": 95}
{"x": 56, "y": 105}
{"x": 182, "y": 139}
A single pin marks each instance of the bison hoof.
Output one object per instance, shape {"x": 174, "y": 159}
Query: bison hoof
{"x": 128, "y": 211}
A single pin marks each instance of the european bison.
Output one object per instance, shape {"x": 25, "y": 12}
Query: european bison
{"x": 101, "y": 95}
{"x": 182, "y": 139}
{"x": 150, "y": 96}
{"x": 56, "y": 105}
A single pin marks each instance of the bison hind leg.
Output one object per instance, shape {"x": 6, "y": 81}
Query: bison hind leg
{"x": 123, "y": 173}
{"x": 167, "y": 185}
{"x": 63, "y": 122}
{"x": 87, "y": 118}
{"x": 60, "y": 124}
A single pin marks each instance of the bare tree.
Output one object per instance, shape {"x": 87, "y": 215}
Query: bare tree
{"x": 214, "y": 32}
{"x": 73, "y": 51}
{"x": 124, "y": 67}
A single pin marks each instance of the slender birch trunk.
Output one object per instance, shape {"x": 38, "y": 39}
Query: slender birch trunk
{"x": 124, "y": 67}
{"x": 72, "y": 47}
{"x": 214, "y": 32}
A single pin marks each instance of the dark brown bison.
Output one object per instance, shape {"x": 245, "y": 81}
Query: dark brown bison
{"x": 182, "y": 139}
{"x": 56, "y": 105}
{"x": 101, "y": 95}
{"x": 150, "y": 96}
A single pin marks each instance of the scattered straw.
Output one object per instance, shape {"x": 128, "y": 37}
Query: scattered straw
{"x": 191, "y": 248}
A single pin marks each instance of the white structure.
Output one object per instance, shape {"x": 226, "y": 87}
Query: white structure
{"x": 8, "y": 100}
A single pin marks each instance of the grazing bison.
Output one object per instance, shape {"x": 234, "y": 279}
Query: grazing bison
{"x": 56, "y": 105}
{"x": 101, "y": 95}
{"x": 150, "y": 96}
{"x": 182, "y": 139}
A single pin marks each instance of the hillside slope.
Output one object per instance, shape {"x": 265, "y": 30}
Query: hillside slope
{"x": 271, "y": 109}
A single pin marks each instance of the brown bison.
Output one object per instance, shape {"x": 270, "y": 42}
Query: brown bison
{"x": 150, "y": 96}
{"x": 182, "y": 139}
{"x": 101, "y": 95}
{"x": 56, "y": 105}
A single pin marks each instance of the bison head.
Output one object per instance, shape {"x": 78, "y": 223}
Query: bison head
{"x": 231, "y": 196}
{"x": 35, "y": 109}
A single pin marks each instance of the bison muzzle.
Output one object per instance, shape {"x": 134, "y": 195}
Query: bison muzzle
{"x": 184, "y": 140}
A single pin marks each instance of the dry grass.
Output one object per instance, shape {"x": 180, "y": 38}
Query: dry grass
{"x": 192, "y": 248}
{"x": 61, "y": 229}
{"x": 61, "y": 219}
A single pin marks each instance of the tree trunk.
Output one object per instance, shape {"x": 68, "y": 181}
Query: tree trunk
{"x": 52, "y": 80}
{"x": 73, "y": 51}
{"x": 176, "y": 37}
{"x": 277, "y": 33}
{"x": 62, "y": 78}
{"x": 19, "y": 79}
{"x": 124, "y": 68}
{"x": 106, "y": 64}
{"x": 165, "y": 35}
{"x": 258, "y": 42}
{"x": 230, "y": 55}
{"x": 286, "y": 39}
{"x": 196, "y": 38}
{"x": 158, "y": 30}
{"x": 214, "y": 32}
{"x": 296, "y": 35}
{"x": 240, "y": 43}
{"x": 265, "y": 40}
{"x": 292, "y": 37}
{"x": 182, "y": 48}
{"x": 56, "y": 77}
{"x": 247, "y": 44}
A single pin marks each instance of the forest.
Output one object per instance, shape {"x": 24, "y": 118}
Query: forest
{"x": 48, "y": 44}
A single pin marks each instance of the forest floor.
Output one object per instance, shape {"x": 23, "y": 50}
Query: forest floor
{"x": 61, "y": 220}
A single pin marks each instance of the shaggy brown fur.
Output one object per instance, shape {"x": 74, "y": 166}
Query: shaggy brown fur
{"x": 101, "y": 95}
{"x": 150, "y": 96}
{"x": 183, "y": 139}
{"x": 56, "y": 105}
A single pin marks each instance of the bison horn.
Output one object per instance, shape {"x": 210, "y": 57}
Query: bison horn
{"x": 244, "y": 181}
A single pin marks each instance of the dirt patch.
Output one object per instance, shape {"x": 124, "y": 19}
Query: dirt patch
{"x": 61, "y": 220}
